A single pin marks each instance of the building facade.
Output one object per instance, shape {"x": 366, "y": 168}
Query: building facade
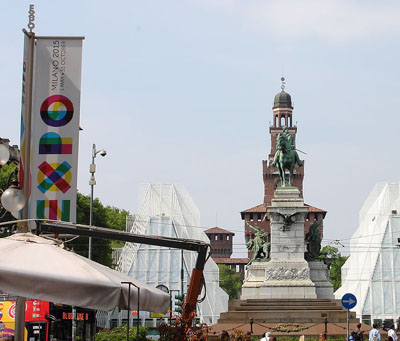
{"x": 221, "y": 242}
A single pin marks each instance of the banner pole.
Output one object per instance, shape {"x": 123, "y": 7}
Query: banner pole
{"x": 24, "y": 227}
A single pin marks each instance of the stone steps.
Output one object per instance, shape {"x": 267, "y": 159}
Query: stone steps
{"x": 285, "y": 311}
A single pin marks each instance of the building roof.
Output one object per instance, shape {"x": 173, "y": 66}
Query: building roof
{"x": 262, "y": 209}
{"x": 231, "y": 260}
{"x": 282, "y": 99}
{"x": 256, "y": 209}
{"x": 217, "y": 229}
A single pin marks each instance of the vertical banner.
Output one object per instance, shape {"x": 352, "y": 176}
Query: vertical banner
{"x": 55, "y": 128}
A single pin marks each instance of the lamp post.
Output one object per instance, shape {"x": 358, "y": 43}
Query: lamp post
{"x": 92, "y": 182}
{"x": 12, "y": 199}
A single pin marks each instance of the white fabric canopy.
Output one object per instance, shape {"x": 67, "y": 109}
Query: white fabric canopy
{"x": 36, "y": 267}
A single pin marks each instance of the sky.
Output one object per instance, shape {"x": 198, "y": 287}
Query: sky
{"x": 182, "y": 92}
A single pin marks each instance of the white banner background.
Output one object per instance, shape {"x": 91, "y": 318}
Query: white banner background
{"x": 55, "y": 128}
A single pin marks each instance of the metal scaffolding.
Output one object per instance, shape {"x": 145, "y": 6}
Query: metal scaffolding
{"x": 372, "y": 271}
{"x": 168, "y": 210}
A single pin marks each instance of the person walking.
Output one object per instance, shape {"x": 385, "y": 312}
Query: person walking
{"x": 352, "y": 336}
{"x": 359, "y": 333}
{"x": 374, "y": 334}
{"x": 266, "y": 336}
{"x": 392, "y": 333}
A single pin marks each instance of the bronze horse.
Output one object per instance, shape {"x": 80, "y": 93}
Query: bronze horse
{"x": 286, "y": 157}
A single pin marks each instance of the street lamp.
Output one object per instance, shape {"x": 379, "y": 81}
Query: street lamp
{"x": 92, "y": 182}
{"x": 12, "y": 199}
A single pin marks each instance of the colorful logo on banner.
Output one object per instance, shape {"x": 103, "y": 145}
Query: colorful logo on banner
{"x": 49, "y": 209}
{"x": 52, "y": 143}
{"x": 57, "y": 110}
{"x": 54, "y": 177}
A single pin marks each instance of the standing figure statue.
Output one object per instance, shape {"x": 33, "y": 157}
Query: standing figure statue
{"x": 286, "y": 156}
{"x": 313, "y": 240}
{"x": 258, "y": 246}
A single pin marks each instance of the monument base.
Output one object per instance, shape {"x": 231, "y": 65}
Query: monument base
{"x": 278, "y": 279}
{"x": 319, "y": 274}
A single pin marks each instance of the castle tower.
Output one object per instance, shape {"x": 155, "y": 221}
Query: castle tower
{"x": 282, "y": 115}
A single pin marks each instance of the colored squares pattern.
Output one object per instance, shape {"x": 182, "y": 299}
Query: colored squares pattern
{"x": 57, "y": 110}
{"x": 52, "y": 143}
{"x": 49, "y": 209}
{"x": 54, "y": 177}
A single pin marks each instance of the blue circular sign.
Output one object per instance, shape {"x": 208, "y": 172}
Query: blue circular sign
{"x": 349, "y": 301}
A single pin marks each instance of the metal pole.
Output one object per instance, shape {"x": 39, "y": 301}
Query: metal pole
{"x": 92, "y": 182}
{"x": 24, "y": 227}
{"x": 73, "y": 323}
{"x": 138, "y": 309}
{"x": 170, "y": 308}
{"x": 129, "y": 310}
{"x": 347, "y": 324}
{"x": 182, "y": 271}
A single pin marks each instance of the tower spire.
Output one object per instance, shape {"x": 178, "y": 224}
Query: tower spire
{"x": 283, "y": 83}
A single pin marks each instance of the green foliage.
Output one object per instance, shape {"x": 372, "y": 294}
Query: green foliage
{"x": 332, "y": 255}
{"x": 103, "y": 216}
{"x": 119, "y": 334}
{"x": 229, "y": 280}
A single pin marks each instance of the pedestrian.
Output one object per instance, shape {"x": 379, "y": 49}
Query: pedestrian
{"x": 352, "y": 336}
{"x": 392, "y": 333}
{"x": 374, "y": 334}
{"x": 266, "y": 336}
{"x": 224, "y": 336}
{"x": 359, "y": 333}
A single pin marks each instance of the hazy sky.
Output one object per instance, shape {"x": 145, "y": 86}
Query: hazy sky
{"x": 181, "y": 92}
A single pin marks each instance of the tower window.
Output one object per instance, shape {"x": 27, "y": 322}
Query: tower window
{"x": 227, "y": 237}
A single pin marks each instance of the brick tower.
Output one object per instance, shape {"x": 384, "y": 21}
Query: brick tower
{"x": 282, "y": 115}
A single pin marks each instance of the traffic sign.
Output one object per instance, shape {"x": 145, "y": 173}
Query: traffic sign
{"x": 349, "y": 301}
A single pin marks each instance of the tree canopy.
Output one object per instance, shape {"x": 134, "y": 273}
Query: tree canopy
{"x": 332, "y": 256}
{"x": 229, "y": 280}
{"x": 103, "y": 216}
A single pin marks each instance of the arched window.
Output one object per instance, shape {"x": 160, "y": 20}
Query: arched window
{"x": 283, "y": 121}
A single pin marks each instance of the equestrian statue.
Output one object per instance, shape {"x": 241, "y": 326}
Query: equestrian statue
{"x": 286, "y": 156}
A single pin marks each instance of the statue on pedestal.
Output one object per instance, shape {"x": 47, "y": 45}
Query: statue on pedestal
{"x": 258, "y": 246}
{"x": 286, "y": 156}
{"x": 313, "y": 240}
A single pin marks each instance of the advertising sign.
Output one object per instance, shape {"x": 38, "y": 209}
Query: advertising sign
{"x": 55, "y": 129}
{"x": 35, "y": 310}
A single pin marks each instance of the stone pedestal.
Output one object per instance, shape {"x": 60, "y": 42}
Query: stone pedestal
{"x": 319, "y": 274}
{"x": 287, "y": 274}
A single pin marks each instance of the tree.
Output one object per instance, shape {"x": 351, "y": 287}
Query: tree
{"x": 229, "y": 281}
{"x": 103, "y": 216}
{"x": 332, "y": 256}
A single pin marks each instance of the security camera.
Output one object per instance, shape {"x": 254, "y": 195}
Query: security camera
{"x": 103, "y": 153}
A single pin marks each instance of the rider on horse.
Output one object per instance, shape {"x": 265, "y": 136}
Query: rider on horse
{"x": 285, "y": 156}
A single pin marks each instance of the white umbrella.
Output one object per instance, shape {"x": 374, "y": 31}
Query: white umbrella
{"x": 36, "y": 267}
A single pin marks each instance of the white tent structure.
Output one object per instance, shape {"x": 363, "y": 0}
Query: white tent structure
{"x": 372, "y": 271}
{"x": 168, "y": 210}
